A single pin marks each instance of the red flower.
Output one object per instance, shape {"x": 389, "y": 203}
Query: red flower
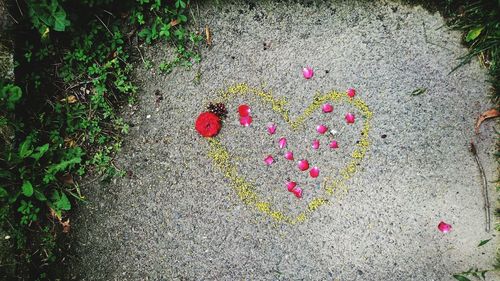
{"x": 207, "y": 124}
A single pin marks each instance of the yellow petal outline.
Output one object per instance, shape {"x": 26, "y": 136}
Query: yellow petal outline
{"x": 333, "y": 186}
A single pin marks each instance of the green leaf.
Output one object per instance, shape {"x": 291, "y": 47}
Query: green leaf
{"x": 40, "y": 151}
{"x": 64, "y": 203}
{"x": 25, "y": 149}
{"x": 473, "y": 33}
{"x": 182, "y": 18}
{"x": 10, "y": 94}
{"x": 60, "y": 201}
{"x": 461, "y": 278}
{"x": 165, "y": 31}
{"x": 3, "y": 192}
{"x": 27, "y": 189}
{"x": 5, "y": 174}
{"x": 145, "y": 33}
{"x": 180, "y": 33}
{"x": 60, "y": 21}
{"x": 418, "y": 91}
{"x": 483, "y": 242}
{"x": 63, "y": 165}
{"x": 15, "y": 95}
{"x": 39, "y": 196}
{"x": 13, "y": 197}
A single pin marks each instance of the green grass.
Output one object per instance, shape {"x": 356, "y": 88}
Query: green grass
{"x": 480, "y": 21}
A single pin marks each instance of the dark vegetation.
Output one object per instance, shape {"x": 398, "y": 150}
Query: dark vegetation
{"x": 60, "y": 119}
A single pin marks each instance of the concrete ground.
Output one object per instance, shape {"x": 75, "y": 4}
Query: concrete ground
{"x": 177, "y": 217}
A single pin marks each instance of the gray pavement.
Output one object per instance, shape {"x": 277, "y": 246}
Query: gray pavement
{"x": 178, "y": 217}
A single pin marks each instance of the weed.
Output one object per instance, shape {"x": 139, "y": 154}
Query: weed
{"x": 480, "y": 21}
{"x": 60, "y": 121}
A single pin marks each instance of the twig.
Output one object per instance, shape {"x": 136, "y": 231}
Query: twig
{"x": 78, "y": 84}
{"x": 140, "y": 53}
{"x": 14, "y": 19}
{"x": 194, "y": 18}
{"x": 111, "y": 33}
{"x": 19, "y": 8}
{"x": 484, "y": 184}
{"x": 108, "y": 12}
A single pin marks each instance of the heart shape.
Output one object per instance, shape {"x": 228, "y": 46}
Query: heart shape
{"x": 332, "y": 185}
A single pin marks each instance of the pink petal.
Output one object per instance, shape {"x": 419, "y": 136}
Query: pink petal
{"x": 271, "y": 128}
{"x": 291, "y": 185}
{"x": 303, "y": 165}
{"x": 327, "y": 108}
{"x": 307, "y": 72}
{"x": 349, "y": 117}
{"x": 334, "y": 144}
{"x": 351, "y": 92}
{"x": 321, "y": 129}
{"x": 314, "y": 172}
{"x": 289, "y": 155}
{"x": 246, "y": 120}
{"x": 282, "y": 143}
{"x": 315, "y": 144}
{"x": 297, "y": 192}
{"x": 244, "y": 110}
{"x": 269, "y": 160}
{"x": 444, "y": 227}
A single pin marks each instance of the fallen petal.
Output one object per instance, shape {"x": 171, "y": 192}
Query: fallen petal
{"x": 297, "y": 192}
{"x": 271, "y": 128}
{"x": 303, "y": 165}
{"x": 351, "y": 92}
{"x": 307, "y": 72}
{"x": 244, "y": 110}
{"x": 327, "y": 108}
{"x": 246, "y": 120}
{"x": 349, "y": 117}
{"x": 269, "y": 160}
{"x": 444, "y": 227}
{"x": 291, "y": 185}
{"x": 321, "y": 129}
{"x": 334, "y": 144}
{"x": 289, "y": 155}
{"x": 315, "y": 144}
{"x": 314, "y": 172}
{"x": 282, "y": 143}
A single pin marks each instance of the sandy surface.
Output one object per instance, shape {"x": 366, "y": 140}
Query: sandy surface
{"x": 178, "y": 217}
